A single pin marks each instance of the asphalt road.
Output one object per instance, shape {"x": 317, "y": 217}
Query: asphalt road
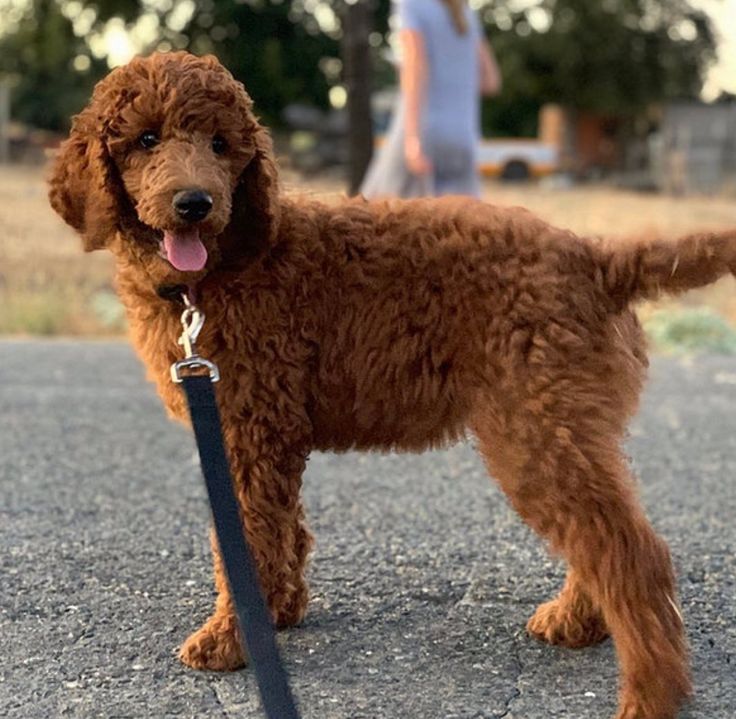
{"x": 422, "y": 580}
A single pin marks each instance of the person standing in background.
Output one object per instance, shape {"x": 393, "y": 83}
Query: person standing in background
{"x": 446, "y": 64}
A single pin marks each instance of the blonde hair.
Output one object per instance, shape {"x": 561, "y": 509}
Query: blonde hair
{"x": 457, "y": 12}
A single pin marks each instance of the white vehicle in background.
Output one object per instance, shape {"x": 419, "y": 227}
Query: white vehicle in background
{"x": 504, "y": 158}
{"x": 518, "y": 159}
{"x": 526, "y": 158}
{"x": 317, "y": 141}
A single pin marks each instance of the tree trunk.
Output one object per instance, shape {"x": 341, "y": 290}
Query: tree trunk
{"x": 4, "y": 122}
{"x": 357, "y": 78}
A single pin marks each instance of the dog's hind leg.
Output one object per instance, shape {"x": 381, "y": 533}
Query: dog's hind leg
{"x": 558, "y": 459}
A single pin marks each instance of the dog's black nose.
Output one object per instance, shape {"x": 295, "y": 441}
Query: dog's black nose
{"x": 192, "y": 205}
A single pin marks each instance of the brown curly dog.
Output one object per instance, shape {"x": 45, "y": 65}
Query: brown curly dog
{"x": 393, "y": 326}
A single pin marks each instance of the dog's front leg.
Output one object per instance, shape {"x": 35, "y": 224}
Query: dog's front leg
{"x": 267, "y": 462}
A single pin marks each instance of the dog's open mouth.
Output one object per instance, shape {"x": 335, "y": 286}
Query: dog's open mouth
{"x": 184, "y": 249}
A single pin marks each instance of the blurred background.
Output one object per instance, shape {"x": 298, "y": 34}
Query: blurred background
{"x": 616, "y": 117}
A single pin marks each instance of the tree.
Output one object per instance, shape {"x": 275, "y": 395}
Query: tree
{"x": 38, "y": 57}
{"x": 277, "y": 49}
{"x": 356, "y": 23}
{"x": 606, "y": 56}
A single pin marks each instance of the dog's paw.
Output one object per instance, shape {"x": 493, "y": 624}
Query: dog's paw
{"x": 288, "y": 611}
{"x": 215, "y": 647}
{"x": 629, "y": 711}
{"x": 556, "y": 623}
{"x": 634, "y": 710}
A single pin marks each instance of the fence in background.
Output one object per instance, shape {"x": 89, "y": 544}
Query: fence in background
{"x": 697, "y": 148}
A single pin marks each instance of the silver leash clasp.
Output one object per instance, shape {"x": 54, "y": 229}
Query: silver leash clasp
{"x": 192, "y": 321}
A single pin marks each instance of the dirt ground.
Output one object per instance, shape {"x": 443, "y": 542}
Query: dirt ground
{"x": 48, "y": 286}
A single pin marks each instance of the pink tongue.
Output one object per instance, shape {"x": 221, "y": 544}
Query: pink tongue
{"x": 184, "y": 249}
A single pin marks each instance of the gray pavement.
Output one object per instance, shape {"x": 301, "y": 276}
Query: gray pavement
{"x": 422, "y": 579}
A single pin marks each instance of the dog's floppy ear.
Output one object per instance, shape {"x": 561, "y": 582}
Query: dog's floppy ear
{"x": 255, "y": 211}
{"x": 82, "y": 185}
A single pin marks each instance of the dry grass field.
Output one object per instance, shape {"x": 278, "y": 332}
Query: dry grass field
{"x": 48, "y": 286}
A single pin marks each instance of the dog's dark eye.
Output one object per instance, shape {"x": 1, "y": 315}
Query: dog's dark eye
{"x": 148, "y": 140}
{"x": 219, "y": 145}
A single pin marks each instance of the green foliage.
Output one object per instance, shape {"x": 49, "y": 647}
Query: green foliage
{"x": 128, "y": 10}
{"x": 608, "y": 56}
{"x": 612, "y": 57}
{"x": 38, "y": 57}
{"x": 263, "y": 44}
{"x": 691, "y": 330}
{"x": 277, "y": 48}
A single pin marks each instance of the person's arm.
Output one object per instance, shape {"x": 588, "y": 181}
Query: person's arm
{"x": 490, "y": 73}
{"x": 414, "y": 72}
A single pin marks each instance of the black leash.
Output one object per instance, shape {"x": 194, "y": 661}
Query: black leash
{"x": 253, "y": 616}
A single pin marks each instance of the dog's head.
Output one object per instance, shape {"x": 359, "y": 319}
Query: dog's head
{"x": 168, "y": 167}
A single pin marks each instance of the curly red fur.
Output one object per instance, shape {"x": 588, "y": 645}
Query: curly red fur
{"x": 391, "y": 325}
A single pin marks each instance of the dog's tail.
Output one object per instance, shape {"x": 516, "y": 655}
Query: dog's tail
{"x": 640, "y": 269}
